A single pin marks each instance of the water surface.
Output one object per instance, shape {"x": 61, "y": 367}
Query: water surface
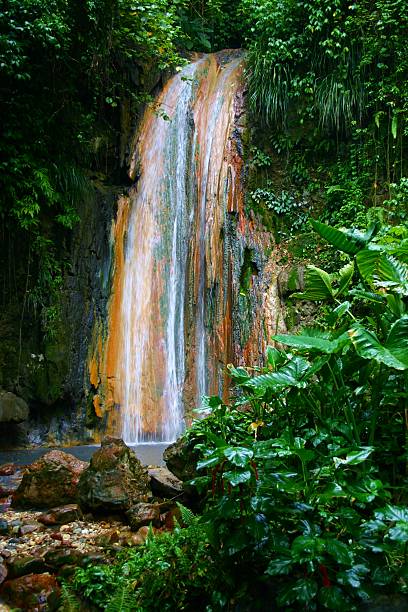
{"x": 149, "y": 454}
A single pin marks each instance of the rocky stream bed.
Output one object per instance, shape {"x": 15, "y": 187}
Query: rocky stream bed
{"x": 60, "y": 513}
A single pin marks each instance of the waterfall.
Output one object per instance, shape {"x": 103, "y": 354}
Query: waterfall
{"x": 161, "y": 339}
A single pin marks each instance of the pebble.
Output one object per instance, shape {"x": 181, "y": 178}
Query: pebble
{"x": 83, "y": 536}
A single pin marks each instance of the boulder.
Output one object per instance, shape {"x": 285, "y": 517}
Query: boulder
{"x": 32, "y": 527}
{"x": 50, "y": 481}
{"x": 62, "y": 515}
{"x": 32, "y": 593}
{"x": 165, "y": 484}
{"x": 115, "y": 479}
{"x": 13, "y": 409}
{"x": 64, "y": 556}
{"x": 8, "y": 469}
{"x": 141, "y": 515}
{"x": 21, "y": 566}
{"x": 181, "y": 460}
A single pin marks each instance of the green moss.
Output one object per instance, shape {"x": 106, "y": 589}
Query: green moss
{"x": 290, "y": 316}
{"x": 293, "y": 279}
{"x": 248, "y": 269}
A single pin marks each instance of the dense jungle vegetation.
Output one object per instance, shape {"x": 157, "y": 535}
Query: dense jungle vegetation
{"x": 302, "y": 495}
{"x": 327, "y": 78}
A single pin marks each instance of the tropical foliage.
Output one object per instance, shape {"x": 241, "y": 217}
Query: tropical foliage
{"x": 303, "y": 477}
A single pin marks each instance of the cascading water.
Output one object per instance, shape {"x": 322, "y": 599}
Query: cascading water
{"x": 161, "y": 340}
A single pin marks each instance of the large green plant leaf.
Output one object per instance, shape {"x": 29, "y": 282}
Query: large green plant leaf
{"x": 238, "y": 375}
{"x": 238, "y": 455}
{"x": 345, "y": 276}
{"x": 377, "y": 267}
{"x": 237, "y": 478}
{"x": 397, "y": 341}
{"x": 392, "y": 513}
{"x": 337, "y": 238}
{"x": 309, "y": 343}
{"x": 290, "y": 375}
{"x": 355, "y": 457}
{"x": 368, "y": 295}
{"x": 368, "y": 346}
{"x": 274, "y": 358}
{"x": 318, "y": 285}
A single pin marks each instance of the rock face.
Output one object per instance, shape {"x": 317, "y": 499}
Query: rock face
{"x": 21, "y": 566}
{"x": 61, "y": 515}
{"x": 180, "y": 460}
{"x": 13, "y": 409}
{"x": 142, "y": 515}
{"x": 115, "y": 479}
{"x": 50, "y": 481}
{"x": 164, "y": 483}
{"x": 32, "y": 593}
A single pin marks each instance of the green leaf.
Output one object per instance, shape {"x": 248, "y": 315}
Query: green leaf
{"x": 399, "y": 533}
{"x": 392, "y": 513}
{"x": 338, "y": 312}
{"x": 238, "y": 455}
{"x": 274, "y": 357}
{"x": 397, "y": 341}
{"x": 307, "y": 547}
{"x": 318, "y": 285}
{"x": 382, "y": 576}
{"x": 238, "y": 375}
{"x": 209, "y": 462}
{"x": 332, "y": 490}
{"x": 303, "y": 591}
{"x": 339, "y": 551}
{"x": 279, "y": 567}
{"x": 376, "y": 267}
{"x": 345, "y": 277}
{"x": 377, "y": 118}
{"x": 368, "y": 295}
{"x": 208, "y": 403}
{"x": 237, "y": 478}
{"x": 353, "y": 576}
{"x": 396, "y": 305}
{"x": 306, "y": 590}
{"x": 336, "y": 237}
{"x": 368, "y": 346}
{"x": 356, "y": 457}
{"x": 309, "y": 343}
{"x": 304, "y": 454}
{"x": 333, "y": 598}
{"x": 289, "y": 375}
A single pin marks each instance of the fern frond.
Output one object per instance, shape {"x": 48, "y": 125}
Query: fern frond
{"x": 187, "y": 516}
{"x": 123, "y": 599}
{"x": 69, "y": 601}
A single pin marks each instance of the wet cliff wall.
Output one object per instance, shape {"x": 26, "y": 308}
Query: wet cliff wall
{"x": 194, "y": 286}
{"x": 231, "y": 278}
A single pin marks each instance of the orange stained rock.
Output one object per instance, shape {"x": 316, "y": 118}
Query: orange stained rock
{"x": 170, "y": 314}
{"x": 97, "y": 405}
